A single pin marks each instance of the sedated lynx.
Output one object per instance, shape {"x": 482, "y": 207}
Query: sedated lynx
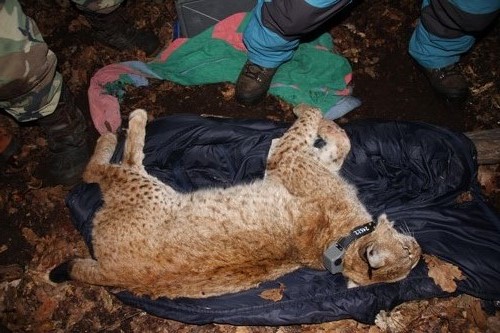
{"x": 154, "y": 241}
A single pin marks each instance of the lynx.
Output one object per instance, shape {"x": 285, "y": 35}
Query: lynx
{"x": 152, "y": 240}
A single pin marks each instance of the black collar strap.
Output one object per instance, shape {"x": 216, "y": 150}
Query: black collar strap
{"x": 332, "y": 257}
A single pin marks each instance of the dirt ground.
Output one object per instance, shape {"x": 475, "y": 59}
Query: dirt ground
{"x": 36, "y": 230}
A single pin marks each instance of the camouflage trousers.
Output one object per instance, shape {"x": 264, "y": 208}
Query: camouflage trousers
{"x": 30, "y": 86}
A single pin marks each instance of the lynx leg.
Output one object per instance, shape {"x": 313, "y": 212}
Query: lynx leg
{"x": 300, "y": 136}
{"x": 134, "y": 145}
{"x": 103, "y": 152}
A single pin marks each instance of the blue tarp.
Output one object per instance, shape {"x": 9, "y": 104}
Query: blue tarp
{"x": 422, "y": 176}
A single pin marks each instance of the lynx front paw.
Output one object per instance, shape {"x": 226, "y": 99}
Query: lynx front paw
{"x": 138, "y": 115}
{"x": 303, "y": 109}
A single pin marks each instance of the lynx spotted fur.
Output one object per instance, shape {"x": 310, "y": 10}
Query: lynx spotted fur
{"x": 153, "y": 241}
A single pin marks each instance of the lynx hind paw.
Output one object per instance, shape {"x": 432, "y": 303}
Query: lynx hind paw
{"x": 61, "y": 273}
{"x": 303, "y": 109}
{"x": 138, "y": 116}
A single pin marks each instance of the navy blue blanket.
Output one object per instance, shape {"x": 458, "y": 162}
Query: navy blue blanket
{"x": 422, "y": 176}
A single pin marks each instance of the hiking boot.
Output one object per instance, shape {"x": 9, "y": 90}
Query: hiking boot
{"x": 9, "y": 143}
{"x": 253, "y": 83}
{"x": 113, "y": 30}
{"x": 448, "y": 81}
{"x": 65, "y": 131}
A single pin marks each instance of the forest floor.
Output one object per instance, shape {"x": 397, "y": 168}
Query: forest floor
{"x": 36, "y": 230}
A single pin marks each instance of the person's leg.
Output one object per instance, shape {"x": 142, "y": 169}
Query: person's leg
{"x": 29, "y": 84}
{"x": 32, "y": 89}
{"x": 446, "y": 30}
{"x": 271, "y": 37}
{"x": 110, "y": 27}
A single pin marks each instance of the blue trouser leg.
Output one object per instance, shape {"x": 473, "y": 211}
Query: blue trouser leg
{"x": 446, "y": 30}
{"x": 265, "y": 47}
{"x": 431, "y": 51}
{"x": 274, "y": 30}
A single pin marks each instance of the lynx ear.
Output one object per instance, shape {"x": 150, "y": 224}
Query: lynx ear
{"x": 384, "y": 221}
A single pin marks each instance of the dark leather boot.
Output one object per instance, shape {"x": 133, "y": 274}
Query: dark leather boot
{"x": 66, "y": 133}
{"x": 113, "y": 30}
{"x": 448, "y": 81}
{"x": 253, "y": 83}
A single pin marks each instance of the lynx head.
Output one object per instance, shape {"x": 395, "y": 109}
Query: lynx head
{"x": 385, "y": 255}
{"x": 332, "y": 145}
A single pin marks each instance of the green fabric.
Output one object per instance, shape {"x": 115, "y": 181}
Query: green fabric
{"x": 117, "y": 88}
{"x": 312, "y": 76}
{"x": 201, "y": 60}
{"x": 317, "y": 73}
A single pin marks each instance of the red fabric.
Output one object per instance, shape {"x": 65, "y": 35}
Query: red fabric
{"x": 104, "y": 108}
{"x": 227, "y": 30}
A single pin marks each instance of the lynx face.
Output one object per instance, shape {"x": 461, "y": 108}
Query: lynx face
{"x": 385, "y": 255}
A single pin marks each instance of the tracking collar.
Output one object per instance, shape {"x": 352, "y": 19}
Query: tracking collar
{"x": 332, "y": 257}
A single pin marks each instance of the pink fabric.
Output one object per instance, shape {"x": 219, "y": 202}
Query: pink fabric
{"x": 348, "y": 78}
{"x": 347, "y": 91}
{"x": 171, "y": 48}
{"x": 104, "y": 108}
{"x": 227, "y": 30}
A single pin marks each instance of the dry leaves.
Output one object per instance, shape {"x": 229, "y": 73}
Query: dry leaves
{"x": 10, "y": 272}
{"x": 489, "y": 178}
{"x": 444, "y": 274}
{"x": 228, "y": 92}
{"x": 275, "y": 294}
{"x": 464, "y": 197}
{"x": 344, "y": 326}
{"x": 459, "y": 314}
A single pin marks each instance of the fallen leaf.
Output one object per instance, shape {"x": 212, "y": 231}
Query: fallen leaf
{"x": 494, "y": 323}
{"x": 228, "y": 92}
{"x": 483, "y": 88}
{"x": 30, "y": 236}
{"x": 275, "y": 294}
{"x": 476, "y": 313}
{"x": 47, "y": 307}
{"x": 464, "y": 197}
{"x": 345, "y": 325}
{"x": 489, "y": 178}
{"x": 10, "y": 272}
{"x": 444, "y": 274}
{"x": 370, "y": 71}
{"x": 242, "y": 329}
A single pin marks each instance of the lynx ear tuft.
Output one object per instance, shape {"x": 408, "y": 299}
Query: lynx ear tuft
{"x": 384, "y": 220}
{"x": 61, "y": 273}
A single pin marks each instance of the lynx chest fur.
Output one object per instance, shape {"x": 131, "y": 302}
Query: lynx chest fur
{"x": 152, "y": 240}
